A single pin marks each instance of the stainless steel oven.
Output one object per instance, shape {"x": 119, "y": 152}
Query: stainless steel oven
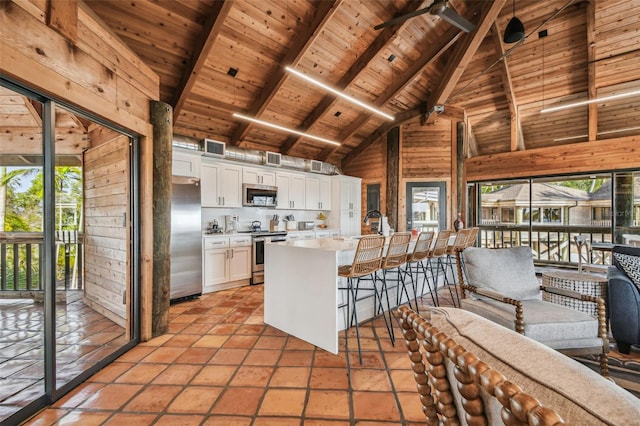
{"x": 259, "y": 240}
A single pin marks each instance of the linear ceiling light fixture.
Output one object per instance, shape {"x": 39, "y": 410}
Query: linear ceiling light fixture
{"x": 606, "y": 132}
{"x": 591, "y": 101}
{"x": 285, "y": 129}
{"x": 339, "y": 93}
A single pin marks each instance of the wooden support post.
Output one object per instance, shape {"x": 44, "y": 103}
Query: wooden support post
{"x": 393, "y": 176}
{"x": 461, "y": 192}
{"x": 161, "y": 119}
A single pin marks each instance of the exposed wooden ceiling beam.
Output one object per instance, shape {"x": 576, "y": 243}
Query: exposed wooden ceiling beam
{"x": 35, "y": 109}
{"x": 380, "y": 43}
{"x": 463, "y": 54}
{"x": 470, "y": 141}
{"x": 379, "y": 132}
{"x": 430, "y": 55}
{"x": 324, "y": 12}
{"x": 210, "y": 31}
{"x": 517, "y": 139}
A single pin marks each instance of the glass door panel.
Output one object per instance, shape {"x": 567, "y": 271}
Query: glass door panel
{"x": 92, "y": 244}
{"x": 504, "y": 214}
{"x": 626, "y": 198}
{"x": 426, "y": 206}
{"x": 21, "y": 237}
{"x": 567, "y": 210}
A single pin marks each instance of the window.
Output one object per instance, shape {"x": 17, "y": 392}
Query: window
{"x": 508, "y": 215}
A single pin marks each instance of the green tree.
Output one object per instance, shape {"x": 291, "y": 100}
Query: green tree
{"x": 22, "y": 210}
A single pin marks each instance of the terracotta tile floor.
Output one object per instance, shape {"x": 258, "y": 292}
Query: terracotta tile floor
{"x": 219, "y": 364}
{"x": 83, "y": 336}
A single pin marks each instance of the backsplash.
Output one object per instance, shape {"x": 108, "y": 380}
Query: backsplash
{"x": 249, "y": 214}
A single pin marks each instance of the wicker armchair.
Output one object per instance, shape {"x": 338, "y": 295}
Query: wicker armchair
{"x": 503, "y": 288}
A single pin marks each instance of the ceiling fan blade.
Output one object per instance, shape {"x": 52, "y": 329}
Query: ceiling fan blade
{"x": 402, "y": 18}
{"x": 452, "y": 17}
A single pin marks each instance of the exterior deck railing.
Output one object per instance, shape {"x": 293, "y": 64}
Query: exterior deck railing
{"x": 551, "y": 244}
{"x": 20, "y": 261}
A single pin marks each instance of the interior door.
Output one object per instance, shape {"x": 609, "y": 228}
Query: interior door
{"x": 426, "y": 206}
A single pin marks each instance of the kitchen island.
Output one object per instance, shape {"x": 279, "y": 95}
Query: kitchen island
{"x": 301, "y": 289}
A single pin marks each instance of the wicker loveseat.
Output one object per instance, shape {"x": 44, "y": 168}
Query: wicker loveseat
{"x": 470, "y": 370}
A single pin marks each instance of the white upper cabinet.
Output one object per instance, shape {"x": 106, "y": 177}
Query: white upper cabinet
{"x": 312, "y": 193}
{"x": 221, "y": 185}
{"x": 185, "y": 162}
{"x": 325, "y": 193}
{"x": 258, "y": 176}
{"x": 348, "y": 191}
{"x": 317, "y": 192}
{"x": 346, "y": 212}
{"x": 291, "y": 190}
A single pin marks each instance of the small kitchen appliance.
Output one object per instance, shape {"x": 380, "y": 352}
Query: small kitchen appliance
{"x": 214, "y": 228}
{"x": 231, "y": 223}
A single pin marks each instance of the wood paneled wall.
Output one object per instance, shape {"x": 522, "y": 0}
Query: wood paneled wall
{"x": 425, "y": 156}
{"x": 106, "y": 229}
{"x": 97, "y": 73}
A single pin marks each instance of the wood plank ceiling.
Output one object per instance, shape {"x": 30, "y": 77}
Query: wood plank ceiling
{"x": 590, "y": 48}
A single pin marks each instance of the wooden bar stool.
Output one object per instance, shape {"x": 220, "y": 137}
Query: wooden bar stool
{"x": 458, "y": 245}
{"x": 417, "y": 259}
{"x": 395, "y": 258}
{"x": 367, "y": 260}
{"x": 435, "y": 254}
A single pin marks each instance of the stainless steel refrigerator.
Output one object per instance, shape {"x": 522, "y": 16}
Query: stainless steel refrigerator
{"x": 186, "y": 238}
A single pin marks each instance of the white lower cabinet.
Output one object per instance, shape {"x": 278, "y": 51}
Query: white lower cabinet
{"x": 323, "y": 234}
{"x": 226, "y": 262}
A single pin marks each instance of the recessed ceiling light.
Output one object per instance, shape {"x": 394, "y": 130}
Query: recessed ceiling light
{"x": 338, "y": 114}
{"x": 232, "y": 72}
{"x": 286, "y": 129}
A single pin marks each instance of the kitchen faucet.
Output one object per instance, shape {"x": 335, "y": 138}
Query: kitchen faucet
{"x": 373, "y": 213}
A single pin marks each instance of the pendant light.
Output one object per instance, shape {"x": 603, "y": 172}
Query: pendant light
{"x": 515, "y": 30}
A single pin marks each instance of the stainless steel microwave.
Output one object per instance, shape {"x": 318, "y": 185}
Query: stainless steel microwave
{"x": 254, "y": 195}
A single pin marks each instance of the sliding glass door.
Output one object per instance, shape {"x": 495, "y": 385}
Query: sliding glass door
{"x": 68, "y": 244}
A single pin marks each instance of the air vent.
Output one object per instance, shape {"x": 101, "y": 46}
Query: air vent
{"x": 214, "y": 148}
{"x": 273, "y": 159}
{"x": 316, "y": 166}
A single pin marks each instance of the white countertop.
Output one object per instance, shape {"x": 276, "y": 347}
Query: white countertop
{"x": 333, "y": 244}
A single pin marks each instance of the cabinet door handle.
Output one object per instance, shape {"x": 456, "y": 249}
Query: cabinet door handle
{"x": 232, "y": 253}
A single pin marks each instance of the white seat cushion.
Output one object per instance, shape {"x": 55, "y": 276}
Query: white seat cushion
{"x": 554, "y": 325}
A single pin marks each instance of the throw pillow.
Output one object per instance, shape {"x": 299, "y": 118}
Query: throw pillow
{"x": 508, "y": 271}
{"x": 630, "y": 264}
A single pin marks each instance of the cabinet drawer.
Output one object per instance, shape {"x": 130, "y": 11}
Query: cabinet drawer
{"x": 216, "y": 243}
{"x": 239, "y": 241}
